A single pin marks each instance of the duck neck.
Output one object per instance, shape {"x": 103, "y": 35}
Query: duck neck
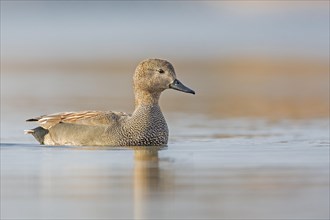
{"x": 145, "y": 98}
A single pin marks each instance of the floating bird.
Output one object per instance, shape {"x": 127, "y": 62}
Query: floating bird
{"x": 146, "y": 126}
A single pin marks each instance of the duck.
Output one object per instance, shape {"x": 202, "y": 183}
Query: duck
{"x": 146, "y": 126}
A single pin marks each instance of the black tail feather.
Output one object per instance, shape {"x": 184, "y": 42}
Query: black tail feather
{"x": 32, "y": 119}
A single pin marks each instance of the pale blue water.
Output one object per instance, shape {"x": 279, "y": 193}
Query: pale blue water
{"x": 214, "y": 167}
{"x": 211, "y": 168}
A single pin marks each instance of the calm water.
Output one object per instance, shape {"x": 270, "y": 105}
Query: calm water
{"x": 213, "y": 167}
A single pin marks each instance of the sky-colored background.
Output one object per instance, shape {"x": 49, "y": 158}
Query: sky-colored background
{"x": 130, "y": 30}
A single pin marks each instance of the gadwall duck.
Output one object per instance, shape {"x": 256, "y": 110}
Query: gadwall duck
{"x": 146, "y": 126}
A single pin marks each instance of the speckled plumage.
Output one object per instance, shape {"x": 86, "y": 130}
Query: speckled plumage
{"x": 146, "y": 126}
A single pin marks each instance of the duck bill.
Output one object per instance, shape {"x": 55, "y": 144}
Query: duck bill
{"x": 177, "y": 85}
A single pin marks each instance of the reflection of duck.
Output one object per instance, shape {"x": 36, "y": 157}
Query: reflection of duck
{"x": 146, "y": 179}
{"x": 146, "y": 126}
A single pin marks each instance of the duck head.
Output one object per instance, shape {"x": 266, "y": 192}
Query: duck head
{"x": 155, "y": 75}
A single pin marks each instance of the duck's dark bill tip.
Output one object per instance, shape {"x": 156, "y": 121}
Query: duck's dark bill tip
{"x": 177, "y": 85}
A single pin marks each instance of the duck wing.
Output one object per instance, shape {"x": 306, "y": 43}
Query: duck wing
{"x": 94, "y": 118}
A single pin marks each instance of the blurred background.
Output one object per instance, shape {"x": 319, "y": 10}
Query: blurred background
{"x": 252, "y": 143}
{"x": 243, "y": 58}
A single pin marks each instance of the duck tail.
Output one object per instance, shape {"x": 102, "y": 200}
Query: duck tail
{"x": 33, "y": 119}
{"x": 38, "y": 133}
{"x": 28, "y": 131}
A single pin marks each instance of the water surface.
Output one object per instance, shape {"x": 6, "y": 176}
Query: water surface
{"x": 234, "y": 168}
{"x": 214, "y": 167}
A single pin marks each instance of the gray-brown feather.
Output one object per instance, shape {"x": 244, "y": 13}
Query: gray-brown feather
{"x": 146, "y": 126}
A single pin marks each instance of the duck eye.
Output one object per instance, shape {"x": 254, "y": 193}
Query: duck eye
{"x": 160, "y": 71}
